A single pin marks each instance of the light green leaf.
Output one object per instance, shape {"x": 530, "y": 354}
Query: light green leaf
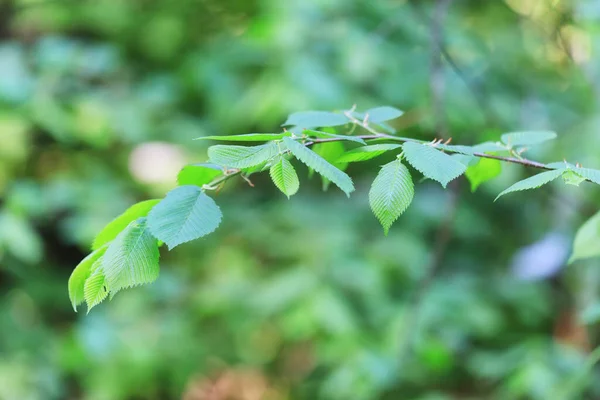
{"x": 367, "y": 152}
{"x": 250, "y": 137}
{"x": 485, "y": 170}
{"x": 466, "y": 150}
{"x": 489, "y": 147}
{"x": 80, "y": 274}
{"x": 114, "y": 227}
{"x": 242, "y": 156}
{"x": 560, "y": 165}
{"x": 527, "y": 138}
{"x": 382, "y": 114}
{"x": 132, "y": 258}
{"x": 587, "y": 240}
{"x": 533, "y": 182}
{"x": 95, "y": 289}
{"x": 185, "y": 214}
{"x": 433, "y": 163}
{"x": 198, "y": 174}
{"x": 326, "y": 135}
{"x": 330, "y": 151}
{"x": 572, "y": 178}
{"x": 284, "y": 177}
{"x": 590, "y": 174}
{"x": 391, "y": 193}
{"x": 319, "y": 164}
{"x": 316, "y": 119}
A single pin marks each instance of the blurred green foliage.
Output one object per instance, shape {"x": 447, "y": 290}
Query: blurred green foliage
{"x": 298, "y": 299}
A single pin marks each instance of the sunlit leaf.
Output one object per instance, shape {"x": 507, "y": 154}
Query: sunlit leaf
{"x": 485, "y": 170}
{"x": 572, "y": 178}
{"x": 114, "y": 227}
{"x": 284, "y": 176}
{"x": 80, "y": 274}
{"x": 367, "y": 152}
{"x": 198, "y": 174}
{"x": 95, "y": 289}
{"x": 242, "y": 156}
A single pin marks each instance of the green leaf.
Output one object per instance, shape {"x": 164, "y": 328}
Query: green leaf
{"x": 587, "y": 240}
{"x": 391, "y": 193}
{"x": 132, "y": 258}
{"x": 433, "y": 163}
{"x": 284, "y": 177}
{"x": 330, "y": 151}
{"x": 326, "y": 135}
{"x": 242, "y": 156}
{"x": 533, "y": 182}
{"x": 250, "y": 137}
{"x": 489, "y": 147}
{"x": 316, "y": 119}
{"x": 95, "y": 289}
{"x": 114, "y": 227}
{"x": 590, "y": 174}
{"x": 527, "y": 138}
{"x": 319, "y": 164}
{"x": 198, "y": 174}
{"x": 485, "y": 170}
{"x": 385, "y": 113}
{"x": 185, "y": 214}
{"x": 572, "y": 178}
{"x": 367, "y": 152}
{"x": 465, "y": 150}
{"x": 80, "y": 274}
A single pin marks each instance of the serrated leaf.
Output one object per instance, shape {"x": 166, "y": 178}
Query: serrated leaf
{"x": 485, "y": 170}
{"x": 114, "y": 227}
{"x": 80, "y": 274}
{"x": 249, "y": 137}
{"x": 382, "y": 114}
{"x": 391, "y": 193}
{"x": 330, "y": 151}
{"x": 465, "y": 150}
{"x": 528, "y": 138}
{"x": 489, "y": 147}
{"x": 590, "y": 174}
{"x": 95, "y": 289}
{"x": 587, "y": 240}
{"x": 284, "y": 177}
{"x": 433, "y": 163}
{"x": 315, "y": 119}
{"x": 327, "y": 135}
{"x": 198, "y": 174}
{"x": 185, "y": 214}
{"x": 132, "y": 258}
{"x": 572, "y": 178}
{"x": 367, "y": 152}
{"x": 533, "y": 182}
{"x": 466, "y": 160}
{"x": 242, "y": 156}
{"x": 320, "y": 165}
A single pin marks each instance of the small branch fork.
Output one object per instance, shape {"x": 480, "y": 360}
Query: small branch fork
{"x": 374, "y": 135}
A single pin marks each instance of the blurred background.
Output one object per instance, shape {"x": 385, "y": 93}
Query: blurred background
{"x": 306, "y": 298}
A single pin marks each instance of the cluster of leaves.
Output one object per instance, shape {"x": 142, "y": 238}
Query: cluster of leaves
{"x": 126, "y": 252}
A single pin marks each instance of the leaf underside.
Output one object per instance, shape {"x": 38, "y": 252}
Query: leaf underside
{"x": 433, "y": 163}
{"x": 533, "y": 182}
{"x": 242, "y": 156}
{"x": 95, "y": 289}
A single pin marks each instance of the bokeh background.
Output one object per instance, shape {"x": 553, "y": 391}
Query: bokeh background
{"x": 298, "y": 299}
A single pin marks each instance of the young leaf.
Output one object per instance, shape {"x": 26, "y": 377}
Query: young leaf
{"x": 242, "y": 156}
{"x": 284, "y": 177}
{"x": 382, "y": 114}
{"x": 132, "y": 258}
{"x": 591, "y": 174}
{"x": 432, "y": 163}
{"x": 114, "y": 227}
{"x": 250, "y": 137}
{"x": 485, "y": 170}
{"x": 533, "y": 182}
{"x": 587, "y": 239}
{"x": 198, "y": 174}
{"x": 391, "y": 193}
{"x": 572, "y": 178}
{"x": 527, "y": 138}
{"x": 326, "y": 135}
{"x": 95, "y": 289}
{"x": 319, "y": 164}
{"x": 185, "y": 214}
{"x": 316, "y": 119}
{"x": 80, "y": 274}
{"x": 367, "y": 152}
